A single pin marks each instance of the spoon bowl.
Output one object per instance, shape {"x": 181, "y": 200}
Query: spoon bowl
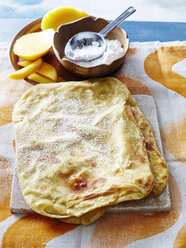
{"x": 77, "y": 48}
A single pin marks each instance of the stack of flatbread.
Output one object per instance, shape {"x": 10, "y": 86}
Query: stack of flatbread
{"x": 82, "y": 147}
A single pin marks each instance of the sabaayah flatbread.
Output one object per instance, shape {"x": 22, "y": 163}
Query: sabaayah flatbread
{"x": 79, "y": 148}
{"x": 87, "y": 218}
{"x": 157, "y": 161}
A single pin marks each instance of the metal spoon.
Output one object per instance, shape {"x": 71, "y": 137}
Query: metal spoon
{"x": 77, "y": 48}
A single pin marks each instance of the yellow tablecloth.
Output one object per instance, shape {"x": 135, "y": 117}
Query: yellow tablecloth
{"x": 154, "y": 68}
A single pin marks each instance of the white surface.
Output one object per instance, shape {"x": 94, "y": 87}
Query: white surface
{"x": 180, "y": 68}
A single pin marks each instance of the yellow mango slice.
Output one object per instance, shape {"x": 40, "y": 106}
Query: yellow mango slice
{"x": 35, "y": 45}
{"x": 27, "y": 70}
{"x": 48, "y": 71}
{"x": 45, "y": 70}
{"x": 24, "y": 63}
{"x": 36, "y": 77}
{"x": 57, "y": 17}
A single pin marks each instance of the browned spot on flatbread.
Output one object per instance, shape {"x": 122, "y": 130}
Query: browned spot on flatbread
{"x": 180, "y": 241}
{"x": 123, "y": 229}
{"x": 34, "y": 231}
{"x": 158, "y": 66}
{"x": 163, "y": 164}
{"x": 140, "y": 181}
{"x": 174, "y": 138}
{"x": 6, "y": 114}
{"x": 66, "y": 174}
{"x": 134, "y": 112}
{"x": 6, "y": 171}
{"x": 142, "y": 159}
{"x": 77, "y": 183}
{"x": 144, "y": 125}
{"x": 107, "y": 192}
{"x": 93, "y": 164}
{"x": 93, "y": 195}
{"x": 164, "y": 177}
{"x": 149, "y": 145}
{"x": 135, "y": 87}
{"x": 129, "y": 191}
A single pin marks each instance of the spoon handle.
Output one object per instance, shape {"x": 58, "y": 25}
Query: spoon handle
{"x": 117, "y": 21}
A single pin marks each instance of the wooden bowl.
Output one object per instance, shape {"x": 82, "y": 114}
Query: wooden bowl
{"x": 66, "y": 31}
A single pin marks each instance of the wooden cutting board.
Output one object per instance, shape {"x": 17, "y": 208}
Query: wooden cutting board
{"x": 149, "y": 204}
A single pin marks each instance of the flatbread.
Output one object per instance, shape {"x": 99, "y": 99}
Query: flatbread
{"x": 157, "y": 161}
{"x": 79, "y": 148}
{"x": 86, "y": 219}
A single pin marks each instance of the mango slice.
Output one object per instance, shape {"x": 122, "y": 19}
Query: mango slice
{"x": 45, "y": 70}
{"x": 24, "y": 63}
{"x": 27, "y": 70}
{"x": 35, "y": 45}
{"x": 48, "y": 71}
{"x": 40, "y": 79}
{"x": 56, "y": 17}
